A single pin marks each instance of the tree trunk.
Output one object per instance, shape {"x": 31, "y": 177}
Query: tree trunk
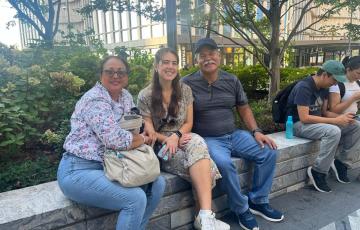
{"x": 275, "y": 76}
{"x": 274, "y": 49}
{"x": 209, "y": 22}
{"x": 191, "y": 45}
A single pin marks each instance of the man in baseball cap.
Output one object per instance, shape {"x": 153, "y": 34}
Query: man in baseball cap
{"x": 308, "y": 104}
{"x": 216, "y": 94}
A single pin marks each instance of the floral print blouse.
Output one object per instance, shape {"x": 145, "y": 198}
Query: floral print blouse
{"x": 95, "y": 124}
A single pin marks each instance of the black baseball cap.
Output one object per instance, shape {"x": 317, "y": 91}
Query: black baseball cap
{"x": 205, "y": 42}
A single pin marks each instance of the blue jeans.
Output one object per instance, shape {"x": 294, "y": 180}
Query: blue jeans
{"x": 84, "y": 181}
{"x": 241, "y": 144}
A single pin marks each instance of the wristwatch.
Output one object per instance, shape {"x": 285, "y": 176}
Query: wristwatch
{"x": 255, "y": 131}
{"x": 178, "y": 133}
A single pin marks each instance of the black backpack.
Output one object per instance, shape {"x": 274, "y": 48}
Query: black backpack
{"x": 342, "y": 88}
{"x": 279, "y": 104}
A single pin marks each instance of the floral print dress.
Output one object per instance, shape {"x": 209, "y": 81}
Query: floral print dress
{"x": 196, "y": 149}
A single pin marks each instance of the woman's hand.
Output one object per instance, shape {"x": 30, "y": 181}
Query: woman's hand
{"x": 186, "y": 137}
{"x": 345, "y": 119}
{"x": 172, "y": 143}
{"x": 356, "y": 96}
{"x": 151, "y": 134}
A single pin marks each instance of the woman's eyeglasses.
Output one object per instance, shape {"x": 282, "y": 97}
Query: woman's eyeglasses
{"x": 111, "y": 73}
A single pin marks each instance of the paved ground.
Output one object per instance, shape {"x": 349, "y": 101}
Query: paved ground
{"x": 307, "y": 209}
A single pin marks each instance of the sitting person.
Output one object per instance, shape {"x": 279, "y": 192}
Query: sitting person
{"x": 308, "y": 104}
{"x": 348, "y": 102}
{"x": 94, "y": 126}
{"x": 216, "y": 94}
{"x": 166, "y": 106}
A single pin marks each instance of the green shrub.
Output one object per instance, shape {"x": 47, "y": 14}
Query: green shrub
{"x": 289, "y": 75}
{"x": 85, "y": 66}
{"x": 34, "y": 100}
{"x": 27, "y": 172}
{"x": 139, "y": 77}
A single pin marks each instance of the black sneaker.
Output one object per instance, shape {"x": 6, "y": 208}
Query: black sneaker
{"x": 247, "y": 221}
{"x": 318, "y": 180}
{"x": 266, "y": 212}
{"x": 340, "y": 171}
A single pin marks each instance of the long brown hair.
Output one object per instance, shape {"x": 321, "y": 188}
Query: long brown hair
{"x": 156, "y": 95}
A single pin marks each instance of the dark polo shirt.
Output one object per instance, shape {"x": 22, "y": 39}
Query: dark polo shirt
{"x": 214, "y": 103}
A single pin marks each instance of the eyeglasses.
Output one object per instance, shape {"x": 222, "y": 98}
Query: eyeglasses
{"x": 111, "y": 73}
{"x": 168, "y": 62}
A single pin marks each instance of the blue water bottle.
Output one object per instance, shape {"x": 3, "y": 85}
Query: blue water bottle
{"x": 289, "y": 128}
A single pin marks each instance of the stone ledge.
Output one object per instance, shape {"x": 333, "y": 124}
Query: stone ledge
{"x": 45, "y": 207}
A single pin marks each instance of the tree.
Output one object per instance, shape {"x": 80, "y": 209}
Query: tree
{"x": 42, "y": 15}
{"x": 264, "y": 36}
{"x": 352, "y": 28}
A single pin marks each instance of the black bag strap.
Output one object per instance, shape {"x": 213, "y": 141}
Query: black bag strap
{"x": 358, "y": 82}
{"x": 342, "y": 89}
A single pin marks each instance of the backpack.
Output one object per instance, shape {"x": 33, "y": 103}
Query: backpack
{"x": 342, "y": 88}
{"x": 279, "y": 104}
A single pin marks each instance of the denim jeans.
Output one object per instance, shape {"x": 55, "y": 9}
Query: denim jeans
{"x": 241, "y": 144}
{"x": 84, "y": 181}
{"x": 340, "y": 142}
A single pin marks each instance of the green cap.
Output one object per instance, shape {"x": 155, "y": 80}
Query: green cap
{"x": 336, "y": 69}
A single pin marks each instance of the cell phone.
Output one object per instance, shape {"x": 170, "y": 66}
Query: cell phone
{"x": 356, "y": 116}
{"x": 162, "y": 154}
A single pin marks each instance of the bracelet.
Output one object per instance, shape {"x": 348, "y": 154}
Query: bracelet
{"x": 143, "y": 137}
{"x": 178, "y": 133}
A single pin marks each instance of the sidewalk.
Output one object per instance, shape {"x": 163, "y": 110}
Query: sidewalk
{"x": 307, "y": 209}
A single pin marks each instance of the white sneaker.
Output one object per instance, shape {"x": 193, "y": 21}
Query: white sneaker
{"x": 210, "y": 223}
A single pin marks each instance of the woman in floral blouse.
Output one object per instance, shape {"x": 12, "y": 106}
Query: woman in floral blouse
{"x": 166, "y": 106}
{"x": 94, "y": 126}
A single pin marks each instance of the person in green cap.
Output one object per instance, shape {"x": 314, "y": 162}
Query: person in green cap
{"x": 308, "y": 104}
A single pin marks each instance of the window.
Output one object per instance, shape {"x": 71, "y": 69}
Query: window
{"x": 125, "y": 35}
{"x": 101, "y": 21}
{"x": 157, "y": 30}
{"x": 116, "y": 21}
{"x": 134, "y": 19}
{"x": 108, "y": 21}
{"x": 117, "y": 37}
{"x": 134, "y": 34}
{"x": 145, "y": 32}
{"x": 124, "y": 20}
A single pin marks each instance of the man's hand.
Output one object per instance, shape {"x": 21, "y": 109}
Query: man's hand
{"x": 263, "y": 139}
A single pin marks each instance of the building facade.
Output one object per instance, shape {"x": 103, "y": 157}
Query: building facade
{"x": 128, "y": 29}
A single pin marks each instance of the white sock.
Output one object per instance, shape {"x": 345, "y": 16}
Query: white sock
{"x": 204, "y": 213}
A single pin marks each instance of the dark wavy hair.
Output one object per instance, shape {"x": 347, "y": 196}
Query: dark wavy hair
{"x": 156, "y": 95}
{"x": 103, "y": 62}
{"x": 351, "y": 62}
